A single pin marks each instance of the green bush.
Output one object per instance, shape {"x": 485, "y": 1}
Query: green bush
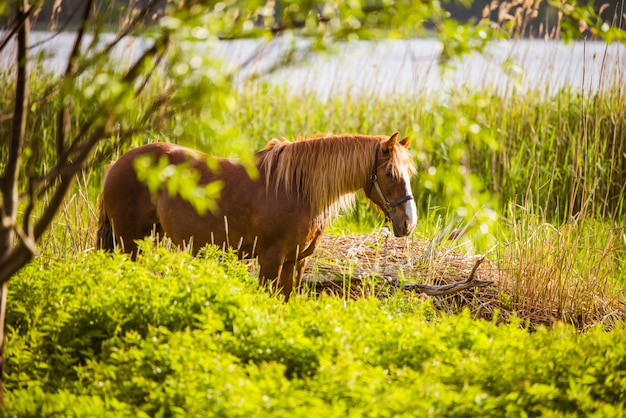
{"x": 173, "y": 335}
{"x": 63, "y": 313}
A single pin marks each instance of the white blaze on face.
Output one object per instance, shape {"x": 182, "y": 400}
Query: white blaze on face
{"x": 411, "y": 209}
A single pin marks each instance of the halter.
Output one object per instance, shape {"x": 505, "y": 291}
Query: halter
{"x": 373, "y": 182}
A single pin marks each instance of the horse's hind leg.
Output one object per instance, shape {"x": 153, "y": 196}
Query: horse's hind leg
{"x": 131, "y": 224}
{"x": 130, "y": 233}
{"x": 105, "y": 238}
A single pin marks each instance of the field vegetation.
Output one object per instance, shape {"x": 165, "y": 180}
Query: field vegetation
{"x": 533, "y": 182}
{"x": 172, "y": 335}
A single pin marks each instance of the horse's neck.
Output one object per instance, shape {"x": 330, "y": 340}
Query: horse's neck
{"x": 342, "y": 175}
{"x": 332, "y": 188}
{"x": 323, "y": 173}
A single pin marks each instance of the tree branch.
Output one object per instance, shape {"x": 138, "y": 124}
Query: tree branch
{"x": 67, "y": 176}
{"x": 16, "y": 27}
{"x": 279, "y": 28}
{"x": 430, "y": 290}
{"x": 13, "y": 260}
{"x": 448, "y": 289}
{"x": 151, "y": 5}
{"x": 69, "y": 156}
{"x": 58, "y": 31}
{"x": 9, "y": 180}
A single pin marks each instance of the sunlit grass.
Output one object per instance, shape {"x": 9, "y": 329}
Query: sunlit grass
{"x": 566, "y": 272}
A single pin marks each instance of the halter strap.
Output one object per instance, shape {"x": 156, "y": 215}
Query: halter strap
{"x": 387, "y": 206}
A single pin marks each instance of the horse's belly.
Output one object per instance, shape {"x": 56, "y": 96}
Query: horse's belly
{"x": 184, "y": 226}
{"x": 249, "y": 221}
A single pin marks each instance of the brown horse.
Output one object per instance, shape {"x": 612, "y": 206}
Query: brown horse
{"x": 279, "y": 215}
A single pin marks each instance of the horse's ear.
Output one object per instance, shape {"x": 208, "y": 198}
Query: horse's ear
{"x": 391, "y": 142}
{"x": 406, "y": 142}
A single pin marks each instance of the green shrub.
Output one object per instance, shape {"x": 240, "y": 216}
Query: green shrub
{"x": 63, "y": 313}
{"x": 172, "y": 335}
{"x": 38, "y": 404}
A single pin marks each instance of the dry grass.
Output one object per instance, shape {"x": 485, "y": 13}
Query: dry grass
{"x": 379, "y": 265}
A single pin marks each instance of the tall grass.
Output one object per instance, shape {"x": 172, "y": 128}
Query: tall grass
{"x": 572, "y": 272}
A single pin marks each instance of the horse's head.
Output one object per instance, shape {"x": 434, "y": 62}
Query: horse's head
{"x": 389, "y": 186}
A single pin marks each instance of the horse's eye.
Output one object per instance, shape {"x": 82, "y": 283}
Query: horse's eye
{"x": 388, "y": 174}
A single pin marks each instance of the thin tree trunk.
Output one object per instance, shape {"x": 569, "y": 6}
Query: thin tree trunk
{"x": 11, "y": 175}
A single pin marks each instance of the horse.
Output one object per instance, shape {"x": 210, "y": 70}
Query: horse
{"x": 279, "y": 215}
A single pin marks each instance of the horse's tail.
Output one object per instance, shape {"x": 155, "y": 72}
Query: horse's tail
{"x": 105, "y": 230}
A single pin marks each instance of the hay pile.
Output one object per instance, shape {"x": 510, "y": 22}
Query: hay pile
{"x": 379, "y": 265}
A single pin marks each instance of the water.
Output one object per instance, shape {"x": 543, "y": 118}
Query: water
{"x": 398, "y": 67}
{"x": 411, "y": 68}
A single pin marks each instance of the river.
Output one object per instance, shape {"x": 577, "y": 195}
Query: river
{"x": 407, "y": 67}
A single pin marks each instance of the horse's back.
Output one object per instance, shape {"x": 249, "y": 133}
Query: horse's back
{"x": 121, "y": 183}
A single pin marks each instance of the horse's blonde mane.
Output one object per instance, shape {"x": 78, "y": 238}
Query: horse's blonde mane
{"x": 326, "y": 170}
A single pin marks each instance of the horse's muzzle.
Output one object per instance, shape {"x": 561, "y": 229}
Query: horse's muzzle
{"x": 403, "y": 229}
{"x": 404, "y": 221}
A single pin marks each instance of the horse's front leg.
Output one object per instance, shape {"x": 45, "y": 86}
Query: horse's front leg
{"x": 291, "y": 277}
{"x": 302, "y": 259}
{"x": 285, "y": 282}
{"x": 299, "y": 272}
{"x": 279, "y": 271}
{"x": 271, "y": 268}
